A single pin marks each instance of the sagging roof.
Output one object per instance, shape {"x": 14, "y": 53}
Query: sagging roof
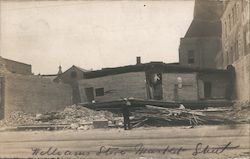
{"x": 117, "y": 104}
{"x": 152, "y": 66}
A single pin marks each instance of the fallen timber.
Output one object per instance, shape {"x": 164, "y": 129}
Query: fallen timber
{"x": 136, "y": 103}
{"x": 159, "y": 116}
{"x": 162, "y": 113}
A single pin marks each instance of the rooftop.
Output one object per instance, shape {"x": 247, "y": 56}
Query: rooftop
{"x": 152, "y": 66}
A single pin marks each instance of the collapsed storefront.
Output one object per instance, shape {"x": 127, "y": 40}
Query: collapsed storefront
{"x": 155, "y": 81}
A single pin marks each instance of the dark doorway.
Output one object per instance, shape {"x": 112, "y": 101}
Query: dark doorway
{"x": 90, "y": 94}
{"x": 207, "y": 89}
{"x": 157, "y": 86}
{"x": 154, "y": 86}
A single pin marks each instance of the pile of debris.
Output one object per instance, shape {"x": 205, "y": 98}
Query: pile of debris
{"x": 160, "y": 116}
{"x": 72, "y": 117}
{"x": 74, "y": 114}
{"x": 82, "y": 118}
{"x": 18, "y": 118}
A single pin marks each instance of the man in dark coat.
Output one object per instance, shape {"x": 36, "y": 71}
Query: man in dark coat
{"x": 126, "y": 114}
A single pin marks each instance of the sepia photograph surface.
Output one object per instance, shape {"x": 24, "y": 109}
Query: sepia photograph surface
{"x": 125, "y": 79}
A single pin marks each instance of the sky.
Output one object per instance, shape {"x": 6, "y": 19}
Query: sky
{"x": 92, "y": 34}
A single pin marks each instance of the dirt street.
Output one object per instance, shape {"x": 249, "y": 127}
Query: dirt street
{"x": 215, "y": 142}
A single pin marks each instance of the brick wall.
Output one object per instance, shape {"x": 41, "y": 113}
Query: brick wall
{"x": 34, "y": 94}
{"x": 242, "y": 69}
{"x": 17, "y": 67}
{"x": 236, "y": 45}
{"x": 116, "y": 86}
{"x": 133, "y": 85}
{"x": 189, "y": 90}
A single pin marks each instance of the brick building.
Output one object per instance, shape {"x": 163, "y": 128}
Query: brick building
{"x": 156, "y": 81}
{"x": 71, "y": 76}
{"x": 20, "y": 90}
{"x": 15, "y": 66}
{"x": 202, "y": 40}
{"x": 236, "y": 44}
{"x": 218, "y": 37}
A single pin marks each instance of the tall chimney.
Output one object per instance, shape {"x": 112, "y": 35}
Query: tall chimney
{"x": 138, "y": 60}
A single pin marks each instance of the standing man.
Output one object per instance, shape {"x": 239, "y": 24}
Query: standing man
{"x": 126, "y": 113}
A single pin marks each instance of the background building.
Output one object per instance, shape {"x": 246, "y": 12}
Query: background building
{"x": 236, "y": 44}
{"x": 202, "y": 41}
{"x": 219, "y": 37}
{"x": 72, "y": 76}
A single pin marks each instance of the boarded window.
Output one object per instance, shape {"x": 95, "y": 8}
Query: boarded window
{"x": 99, "y": 91}
{"x": 191, "y": 57}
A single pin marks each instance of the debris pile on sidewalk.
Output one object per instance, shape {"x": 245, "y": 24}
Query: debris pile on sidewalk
{"x": 18, "y": 118}
{"x": 159, "y": 116}
{"x": 80, "y": 115}
{"x": 75, "y": 117}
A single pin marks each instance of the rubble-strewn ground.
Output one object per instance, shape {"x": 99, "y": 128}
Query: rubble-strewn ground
{"x": 72, "y": 115}
{"x": 18, "y": 118}
{"x": 79, "y": 117}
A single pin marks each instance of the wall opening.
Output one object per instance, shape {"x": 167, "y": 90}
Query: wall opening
{"x": 154, "y": 86}
{"x": 99, "y": 91}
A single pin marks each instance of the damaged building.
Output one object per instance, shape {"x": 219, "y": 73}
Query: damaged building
{"x": 20, "y": 90}
{"x": 155, "y": 81}
{"x": 15, "y": 66}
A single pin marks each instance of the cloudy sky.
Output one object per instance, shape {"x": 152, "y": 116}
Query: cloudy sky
{"x": 92, "y": 34}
